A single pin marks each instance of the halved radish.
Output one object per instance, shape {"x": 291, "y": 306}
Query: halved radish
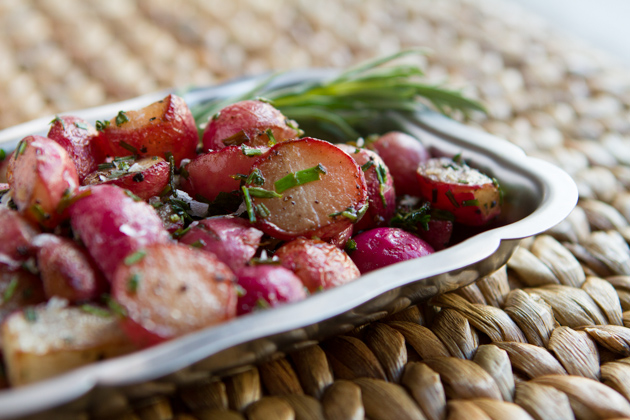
{"x": 472, "y": 197}
{"x": 318, "y": 264}
{"x": 113, "y": 225}
{"x": 380, "y": 185}
{"x": 78, "y": 137}
{"x": 216, "y": 172}
{"x": 173, "y": 290}
{"x": 145, "y": 177}
{"x": 265, "y": 286}
{"x": 402, "y": 154}
{"x": 305, "y": 187}
{"x": 40, "y": 174}
{"x": 67, "y": 270}
{"x": 17, "y": 234}
{"x": 162, "y": 127}
{"x": 250, "y": 123}
{"x": 231, "y": 239}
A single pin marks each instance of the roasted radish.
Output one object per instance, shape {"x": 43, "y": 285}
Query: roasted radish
{"x": 67, "y": 270}
{"x": 208, "y": 175}
{"x": 17, "y": 234}
{"x": 170, "y": 290}
{"x": 113, "y": 225}
{"x": 78, "y": 138}
{"x": 265, "y": 286}
{"x": 50, "y": 339}
{"x": 305, "y": 187}
{"x": 145, "y": 177}
{"x": 18, "y": 288}
{"x": 402, "y": 154}
{"x": 318, "y": 264}
{"x": 254, "y": 123}
{"x": 473, "y": 198}
{"x": 166, "y": 126}
{"x": 41, "y": 174}
{"x": 381, "y": 247}
{"x": 233, "y": 240}
{"x": 380, "y": 186}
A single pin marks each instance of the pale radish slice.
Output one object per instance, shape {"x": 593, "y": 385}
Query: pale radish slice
{"x": 315, "y": 189}
{"x": 145, "y": 177}
{"x": 170, "y": 290}
{"x": 472, "y": 197}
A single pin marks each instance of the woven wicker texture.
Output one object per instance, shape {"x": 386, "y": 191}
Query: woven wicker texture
{"x": 546, "y": 337}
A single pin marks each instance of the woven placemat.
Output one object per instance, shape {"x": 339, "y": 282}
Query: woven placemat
{"x": 545, "y": 337}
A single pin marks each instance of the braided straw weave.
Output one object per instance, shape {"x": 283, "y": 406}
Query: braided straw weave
{"x": 546, "y": 337}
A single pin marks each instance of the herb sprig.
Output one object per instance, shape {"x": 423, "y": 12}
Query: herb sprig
{"x": 358, "y": 94}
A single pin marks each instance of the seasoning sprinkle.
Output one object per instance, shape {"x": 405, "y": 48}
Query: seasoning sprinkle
{"x": 121, "y": 118}
{"x": 135, "y": 257}
{"x": 133, "y": 283}
{"x": 95, "y": 310}
{"x": 300, "y": 178}
{"x": 10, "y": 290}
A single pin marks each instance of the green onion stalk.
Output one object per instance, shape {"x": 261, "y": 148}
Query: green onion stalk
{"x": 362, "y": 93}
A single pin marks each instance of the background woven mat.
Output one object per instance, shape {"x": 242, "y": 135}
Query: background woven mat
{"x": 545, "y": 337}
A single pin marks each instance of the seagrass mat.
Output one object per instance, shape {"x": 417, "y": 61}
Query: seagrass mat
{"x": 546, "y": 337}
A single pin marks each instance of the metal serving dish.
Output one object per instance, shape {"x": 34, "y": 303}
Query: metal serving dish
{"x": 538, "y": 196}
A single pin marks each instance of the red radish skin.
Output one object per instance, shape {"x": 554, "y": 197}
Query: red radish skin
{"x": 78, "y": 138}
{"x": 112, "y": 225}
{"x": 67, "y": 270}
{"x": 318, "y": 264}
{"x": 17, "y": 234}
{"x": 264, "y": 286}
{"x": 312, "y": 209}
{"x": 40, "y": 175}
{"x": 380, "y": 247}
{"x": 402, "y": 154}
{"x": 147, "y": 177}
{"x": 162, "y": 127}
{"x": 381, "y": 196}
{"x": 231, "y": 239}
{"x": 472, "y": 197}
{"x": 212, "y": 173}
{"x": 162, "y": 303}
{"x": 438, "y": 235}
{"x": 246, "y": 122}
{"x": 4, "y": 166}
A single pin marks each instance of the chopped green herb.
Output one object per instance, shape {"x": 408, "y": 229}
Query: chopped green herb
{"x": 133, "y": 283}
{"x": 171, "y": 172}
{"x": 367, "y": 165}
{"x": 495, "y": 182}
{"x": 272, "y": 138}
{"x": 135, "y": 257}
{"x": 68, "y": 199}
{"x": 262, "y": 304}
{"x": 299, "y": 178}
{"x": 39, "y": 212}
{"x": 127, "y": 146}
{"x": 225, "y": 203}
{"x": 180, "y": 232}
{"x": 351, "y": 214}
{"x": 59, "y": 120}
{"x": 30, "y": 314}
{"x": 248, "y": 204}
{"x": 198, "y": 244}
{"x": 410, "y": 220}
{"x": 132, "y": 195}
{"x": 457, "y": 158}
{"x": 10, "y": 290}
{"x": 250, "y": 151}
{"x": 216, "y": 116}
{"x": 240, "y": 291}
{"x": 80, "y": 125}
{"x": 105, "y": 166}
{"x": 469, "y": 203}
{"x": 463, "y": 181}
{"x": 102, "y": 125}
{"x": 255, "y": 177}
{"x": 262, "y": 193}
{"x": 96, "y": 310}
{"x": 351, "y": 246}
{"x": 139, "y": 177}
{"x": 262, "y": 210}
{"x": 121, "y": 118}
{"x": 115, "y": 307}
{"x": 174, "y": 218}
{"x": 451, "y": 198}
{"x": 3, "y": 155}
{"x": 21, "y": 147}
